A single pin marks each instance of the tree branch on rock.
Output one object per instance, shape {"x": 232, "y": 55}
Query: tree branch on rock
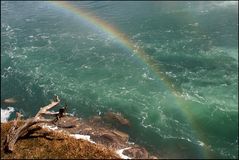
{"x": 15, "y": 132}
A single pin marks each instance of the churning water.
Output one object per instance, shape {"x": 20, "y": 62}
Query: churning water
{"x": 182, "y": 103}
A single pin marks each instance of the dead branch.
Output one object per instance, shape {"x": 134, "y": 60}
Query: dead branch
{"x": 15, "y": 133}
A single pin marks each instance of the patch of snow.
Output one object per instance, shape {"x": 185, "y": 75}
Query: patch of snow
{"x": 5, "y": 114}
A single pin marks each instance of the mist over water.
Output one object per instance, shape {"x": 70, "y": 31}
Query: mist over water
{"x": 47, "y": 50}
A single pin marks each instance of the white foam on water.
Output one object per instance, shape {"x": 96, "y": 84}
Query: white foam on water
{"x": 226, "y": 3}
{"x": 173, "y": 137}
{"x": 201, "y": 143}
{"x": 5, "y": 114}
{"x": 131, "y": 143}
{"x": 232, "y": 52}
{"x": 120, "y": 153}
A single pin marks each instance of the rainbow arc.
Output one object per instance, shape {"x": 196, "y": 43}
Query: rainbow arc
{"x": 94, "y": 21}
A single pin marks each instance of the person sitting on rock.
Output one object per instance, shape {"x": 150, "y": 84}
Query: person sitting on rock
{"x": 61, "y": 113}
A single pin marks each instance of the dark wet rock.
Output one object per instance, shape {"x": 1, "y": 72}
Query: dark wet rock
{"x": 111, "y": 138}
{"x": 136, "y": 152}
{"x": 117, "y": 117}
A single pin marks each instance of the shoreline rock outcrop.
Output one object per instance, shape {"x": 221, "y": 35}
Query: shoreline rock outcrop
{"x": 97, "y": 130}
{"x": 102, "y": 133}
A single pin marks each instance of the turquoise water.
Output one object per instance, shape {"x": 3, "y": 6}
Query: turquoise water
{"x": 47, "y": 50}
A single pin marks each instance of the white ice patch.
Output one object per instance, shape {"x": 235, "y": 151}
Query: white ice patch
{"x": 120, "y": 153}
{"x": 84, "y": 137}
{"x": 5, "y": 114}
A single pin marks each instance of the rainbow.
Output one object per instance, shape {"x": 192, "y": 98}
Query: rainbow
{"x": 99, "y": 24}
{"x": 121, "y": 38}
